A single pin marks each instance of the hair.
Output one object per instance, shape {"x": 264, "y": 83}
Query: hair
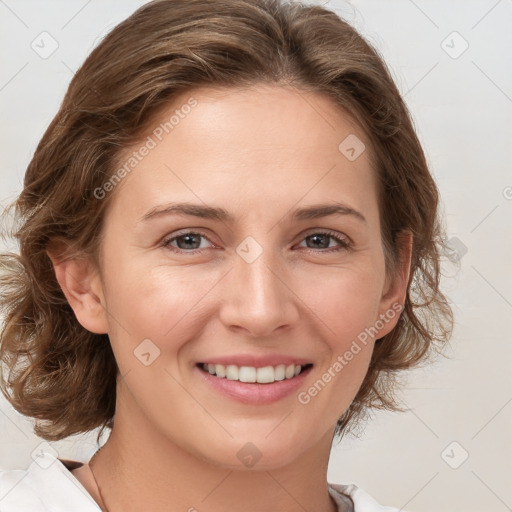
{"x": 64, "y": 376}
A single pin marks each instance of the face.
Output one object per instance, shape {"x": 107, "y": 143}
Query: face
{"x": 275, "y": 260}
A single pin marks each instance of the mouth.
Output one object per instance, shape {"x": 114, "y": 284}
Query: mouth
{"x": 252, "y": 374}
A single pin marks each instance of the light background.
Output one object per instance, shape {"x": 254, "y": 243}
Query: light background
{"x": 462, "y": 107}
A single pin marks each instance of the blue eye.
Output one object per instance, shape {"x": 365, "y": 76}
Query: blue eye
{"x": 189, "y": 242}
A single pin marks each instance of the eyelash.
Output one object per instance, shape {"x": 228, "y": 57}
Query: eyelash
{"x": 345, "y": 244}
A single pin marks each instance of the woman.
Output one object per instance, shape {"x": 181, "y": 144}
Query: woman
{"x": 229, "y": 246}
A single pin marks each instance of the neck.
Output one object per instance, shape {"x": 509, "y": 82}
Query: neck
{"x": 139, "y": 469}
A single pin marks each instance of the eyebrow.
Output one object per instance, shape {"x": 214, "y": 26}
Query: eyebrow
{"x": 315, "y": 211}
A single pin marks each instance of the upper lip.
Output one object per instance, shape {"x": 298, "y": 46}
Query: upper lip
{"x": 257, "y": 361}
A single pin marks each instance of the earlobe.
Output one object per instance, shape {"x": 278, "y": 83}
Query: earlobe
{"x": 81, "y": 284}
{"x": 396, "y": 289}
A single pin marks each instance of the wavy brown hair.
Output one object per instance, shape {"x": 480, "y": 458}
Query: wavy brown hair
{"x": 64, "y": 376}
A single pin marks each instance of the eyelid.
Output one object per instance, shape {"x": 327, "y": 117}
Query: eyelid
{"x": 334, "y": 234}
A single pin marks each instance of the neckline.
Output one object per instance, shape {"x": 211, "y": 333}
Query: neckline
{"x": 341, "y": 494}
{"x": 70, "y": 464}
{"x": 52, "y": 482}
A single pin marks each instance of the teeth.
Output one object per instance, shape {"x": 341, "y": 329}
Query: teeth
{"x": 232, "y": 372}
{"x": 264, "y": 375}
{"x": 280, "y": 372}
{"x": 220, "y": 370}
{"x": 247, "y": 374}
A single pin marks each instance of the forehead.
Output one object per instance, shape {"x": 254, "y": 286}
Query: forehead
{"x": 271, "y": 145}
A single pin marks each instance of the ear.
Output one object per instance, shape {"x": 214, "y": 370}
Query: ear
{"x": 80, "y": 281}
{"x": 395, "y": 289}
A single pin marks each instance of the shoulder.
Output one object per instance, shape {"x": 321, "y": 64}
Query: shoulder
{"x": 46, "y": 485}
{"x": 360, "y": 499}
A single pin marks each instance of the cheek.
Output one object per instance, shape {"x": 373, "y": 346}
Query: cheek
{"x": 346, "y": 307}
{"x": 173, "y": 305}
{"x": 345, "y": 300}
{"x": 169, "y": 305}
{"x": 164, "y": 304}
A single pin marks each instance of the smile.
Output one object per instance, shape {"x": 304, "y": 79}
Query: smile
{"x": 263, "y": 375}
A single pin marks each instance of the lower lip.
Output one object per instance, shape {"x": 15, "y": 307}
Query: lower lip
{"x": 254, "y": 393}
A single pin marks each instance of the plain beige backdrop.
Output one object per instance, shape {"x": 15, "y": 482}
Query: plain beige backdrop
{"x": 451, "y": 59}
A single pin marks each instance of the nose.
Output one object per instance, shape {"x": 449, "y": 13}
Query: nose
{"x": 257, "y": 299}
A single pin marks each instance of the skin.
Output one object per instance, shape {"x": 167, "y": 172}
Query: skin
{"x": 260, "y": 153}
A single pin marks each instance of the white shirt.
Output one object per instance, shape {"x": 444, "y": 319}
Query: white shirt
{"x": 49, "y": 486}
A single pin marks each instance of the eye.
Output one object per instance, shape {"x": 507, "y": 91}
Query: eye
{"x": 187, "y": 242}
{"x": 320, "y": 240}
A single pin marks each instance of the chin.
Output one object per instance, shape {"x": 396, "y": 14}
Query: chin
{"x": 242, "y": 454}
